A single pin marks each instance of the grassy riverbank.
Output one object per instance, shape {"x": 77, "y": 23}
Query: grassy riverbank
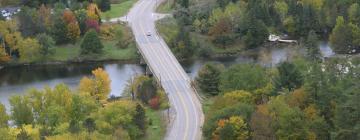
{"x": 71, "y": 52}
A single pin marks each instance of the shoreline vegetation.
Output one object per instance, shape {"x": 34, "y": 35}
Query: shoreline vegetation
{"x": 117, "y": 39}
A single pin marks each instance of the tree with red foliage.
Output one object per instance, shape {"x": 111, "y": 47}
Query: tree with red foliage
{"x": 92, "y": 24}
{"x": 154, "y": 102}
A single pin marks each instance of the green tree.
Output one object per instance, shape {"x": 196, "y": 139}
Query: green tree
{"x": 354, "y": 13}
{"x": 140, "y": 118}
{"x": 256, "y": 33}
{"x": 105, "y": 5}
{"x": 3, "y": 116}
{"x": 289, "y": 77}
{"x": 29, "y": 50}
{"x": 247, "y": 77}
{"x": 59, "y": 30}
{"x": 47, "y": 44}
{"x": 208, "y": 78}
{"x": 341, "y": 36}
{"x": 91, "y": 43}
{"x": 21, "y": 111}
{"x": 312, "y": 46}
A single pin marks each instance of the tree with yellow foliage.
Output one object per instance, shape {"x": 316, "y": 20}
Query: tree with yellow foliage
{"x": 29, "y": 50}
{"x": 234, "y": 128}
{"x": 97, "y": 86}
{"x": 93, "y": 12}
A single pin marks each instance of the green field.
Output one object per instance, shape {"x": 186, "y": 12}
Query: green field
{"x": 118, "y": 10}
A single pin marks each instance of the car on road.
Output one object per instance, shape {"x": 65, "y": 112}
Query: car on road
{"x": 148, "y": 33}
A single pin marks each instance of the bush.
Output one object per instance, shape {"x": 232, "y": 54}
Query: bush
{"x": 91, "y": 43}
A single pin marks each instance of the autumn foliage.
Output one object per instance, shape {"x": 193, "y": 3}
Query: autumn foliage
{"x": 98, "y": 86}
{"x": 154, "y": 102}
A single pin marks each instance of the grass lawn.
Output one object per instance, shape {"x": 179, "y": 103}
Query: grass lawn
{"x": 118, "y": 10}
{"x": 71, "y": 52}
{"x": 157, "y": 130}
{"x": 165, "y": 7}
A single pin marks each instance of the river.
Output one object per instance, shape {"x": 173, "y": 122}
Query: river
{"x": 16, "y": 80}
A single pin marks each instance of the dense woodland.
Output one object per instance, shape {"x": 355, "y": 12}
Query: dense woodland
{"x": 85, "y": 113}
{"x": 302, "y": 99}
{"x": 247, "y": 24}
{"x": 306, "y": 98}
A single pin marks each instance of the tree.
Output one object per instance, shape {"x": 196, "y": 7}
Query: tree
{"x": 144, "y": 89}
{"x": 44, "y": 18}
{"x": 98, "y": 86}
{"x": 243, "y": 77}
{"x": 69, "y": 17}
{"x": 208, "y": 78}
{"x": 89, "y": 124}
{"x": 73, "y": 31}
{"x": 354, "y": 13}
{"x": 105, "y": 5}
{"x": 312, "y": 46}
{"x": 289, "y": 77}
{"x": 27, "y": 22}
{"x": 3, "y": 117}
{"x": 233, "y": 128}
{"x": 341, "y": 36}
{"x": 29, "y": 50}
{"x": 59, "y": 30}
{"x": 4, "y": 57}
{"x": 91, "y": 43}
{"x": 256, "y": 33}
{"x": 21, "y": 111}
{"x": 140, "y": 118}
{"x": 47, "y": 44}
{"x": 81, "y": 17}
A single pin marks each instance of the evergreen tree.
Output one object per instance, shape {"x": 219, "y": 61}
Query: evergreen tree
{"x": 91, "y": 43}
{"x": 208, "y": 78}
{"x": 312, "y": 46}
{"x": 289, "y": 77}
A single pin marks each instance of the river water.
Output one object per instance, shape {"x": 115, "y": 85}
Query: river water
{"x": 16, "y": 80}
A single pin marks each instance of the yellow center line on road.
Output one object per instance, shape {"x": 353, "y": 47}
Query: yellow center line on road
{"x": 184, "y": 76}
{"x": 177, "y": 90}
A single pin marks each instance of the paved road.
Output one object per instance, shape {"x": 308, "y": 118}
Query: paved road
{"x": 188, "y": 120}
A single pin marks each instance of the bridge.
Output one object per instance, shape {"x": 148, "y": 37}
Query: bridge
{"x": 188, "y": 119}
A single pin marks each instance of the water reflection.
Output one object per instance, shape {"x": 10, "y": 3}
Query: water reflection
{"x": 16, "y": 80}
{"x": 264, "y": 56}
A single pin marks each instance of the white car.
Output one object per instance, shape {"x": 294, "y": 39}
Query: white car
{"x": 148, "y": 33}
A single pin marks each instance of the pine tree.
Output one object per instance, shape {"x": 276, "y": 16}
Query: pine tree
{"x": 91, "y": 43}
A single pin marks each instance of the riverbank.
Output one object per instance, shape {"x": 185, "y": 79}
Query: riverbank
{"x": 70, "y": 53}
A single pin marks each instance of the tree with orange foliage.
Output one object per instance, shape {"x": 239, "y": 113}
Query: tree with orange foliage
{"x": 69, "y": 17}
{"x": 73, "y": 29}
{"x": 4, "y": 57}
{"x": 97, "y": 86}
